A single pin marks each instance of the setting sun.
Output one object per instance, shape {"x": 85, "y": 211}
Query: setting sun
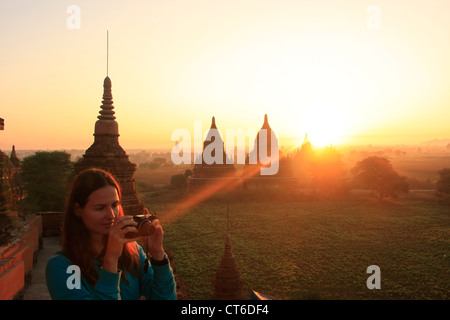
{"x": 325, "y": 124}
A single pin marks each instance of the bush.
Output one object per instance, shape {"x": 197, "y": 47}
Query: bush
{"x": 178, "y": 181}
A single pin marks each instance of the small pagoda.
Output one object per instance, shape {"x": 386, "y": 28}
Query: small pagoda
{"x": 107, "y": 154}
{"x": 228, "y": 282}
{"x": 217, "y": 174}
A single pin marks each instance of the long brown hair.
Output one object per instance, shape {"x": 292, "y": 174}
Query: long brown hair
{"x": 75, "y": 237}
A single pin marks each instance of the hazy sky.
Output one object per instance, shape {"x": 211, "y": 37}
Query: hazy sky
{"x": 364, "y": 71}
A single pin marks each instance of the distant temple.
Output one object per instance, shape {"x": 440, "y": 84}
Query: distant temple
{"x": 13, "y": 157}
{"x": 306, "y": 151}
{"x": 252, "y": 176}
{"x": 17, "y": 180}
{"x": 106, "y": 153}
{"x": 213, "y": 170}
{"x": 228, "y": 282}
{"x": 303, "y": 160}
{"x": 11, "y": 183}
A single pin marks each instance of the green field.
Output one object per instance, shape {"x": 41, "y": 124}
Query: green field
{"x": 301, "y": 247}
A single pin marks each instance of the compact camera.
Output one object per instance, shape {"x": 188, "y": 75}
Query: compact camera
{"x": 144, "y": 226}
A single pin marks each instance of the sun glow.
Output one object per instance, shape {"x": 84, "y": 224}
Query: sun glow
{"x": 325, "y": 124}
{"x": 319, "y": 90}
{"x": 312, "y": 68}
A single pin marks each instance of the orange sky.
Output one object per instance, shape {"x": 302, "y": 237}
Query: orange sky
{"x": 320, "y": 67}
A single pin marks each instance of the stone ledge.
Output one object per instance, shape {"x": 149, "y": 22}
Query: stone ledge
{"x": 12, "y": 281}
{"x": 17, "y": 259}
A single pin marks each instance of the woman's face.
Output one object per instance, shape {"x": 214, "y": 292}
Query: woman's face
{"x": 100, "y": 211}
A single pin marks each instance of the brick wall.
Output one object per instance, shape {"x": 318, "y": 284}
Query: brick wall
{"x": 17, "y": 259}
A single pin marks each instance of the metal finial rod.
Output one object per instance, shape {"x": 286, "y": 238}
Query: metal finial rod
{"x": 107, "y": 51}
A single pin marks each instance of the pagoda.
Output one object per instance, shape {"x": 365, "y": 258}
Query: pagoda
{"x": 255, "y": 161}
{"x": 107, "y": 154}
{"x": 217, "y": 173}
{"x": 228, "y": 282}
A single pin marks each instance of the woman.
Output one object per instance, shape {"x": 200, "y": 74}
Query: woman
{"x": 94, "y": 238}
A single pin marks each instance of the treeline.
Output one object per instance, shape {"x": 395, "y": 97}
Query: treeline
{"x": 47, "y": 176}
{"x": 326, "y": 172}
{"x": 155, "y": 163}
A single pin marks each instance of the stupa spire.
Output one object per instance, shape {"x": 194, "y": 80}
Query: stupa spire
{"x": 107, "y": 112}
{"x": 266, "y": 122}
{"x": 213, "y": 123}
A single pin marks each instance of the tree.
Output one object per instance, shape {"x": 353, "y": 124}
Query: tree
{"x": 443, "y": 183}
{"x": 188, "y": 173}
{"x": 377, "y": 174}
{"x": 47, "y": 176}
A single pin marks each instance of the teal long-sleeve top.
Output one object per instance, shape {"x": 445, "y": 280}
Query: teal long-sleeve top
{"x": 157, "y": 283}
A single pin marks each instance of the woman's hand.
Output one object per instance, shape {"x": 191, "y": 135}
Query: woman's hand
{"x": 116, "y": 240}
{"x": 155, "y": 241}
